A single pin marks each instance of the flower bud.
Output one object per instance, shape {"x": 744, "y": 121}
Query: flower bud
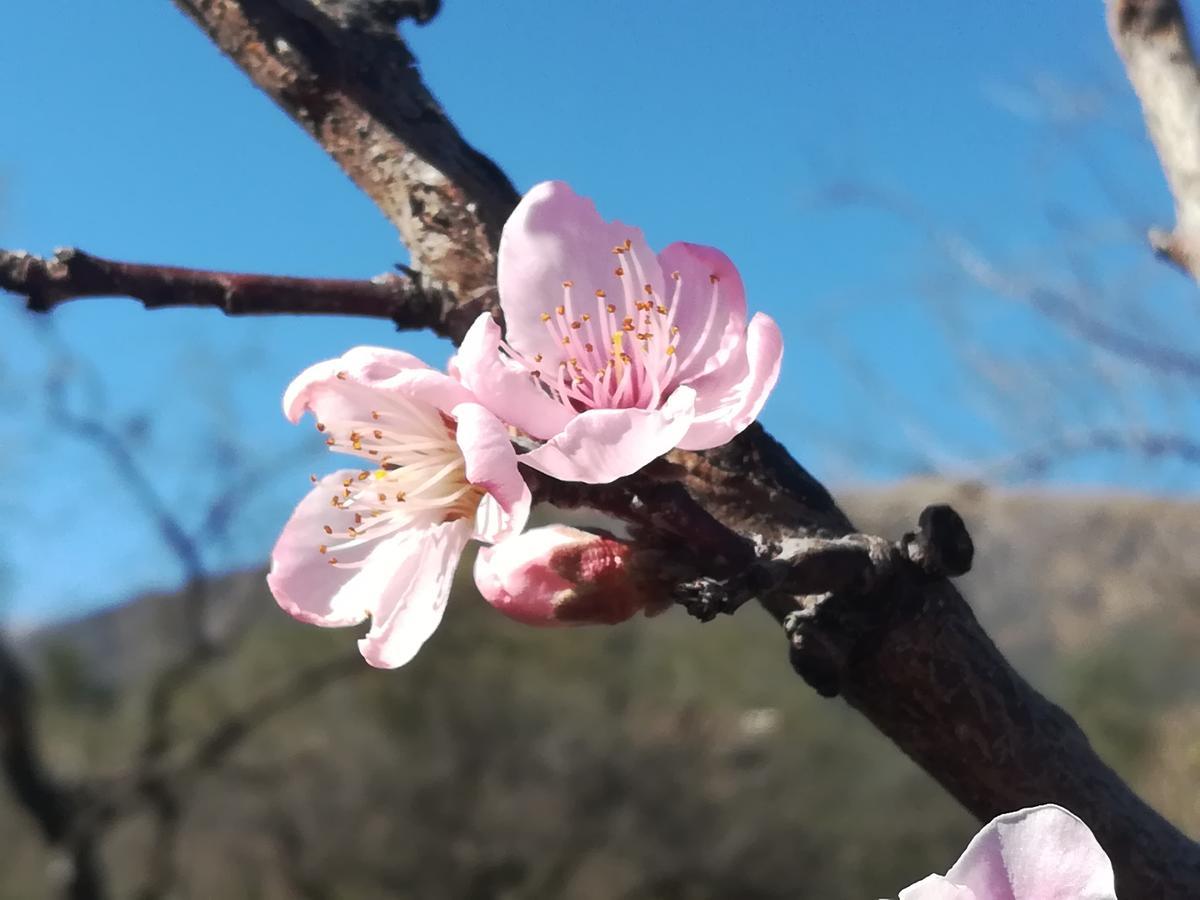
{"x": 558, "y": 575}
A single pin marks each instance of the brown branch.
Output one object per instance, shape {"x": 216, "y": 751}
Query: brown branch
{"x": 1151, "y": 37}
{"x": 71, "y": 274}
{"x": 354, "y": 87}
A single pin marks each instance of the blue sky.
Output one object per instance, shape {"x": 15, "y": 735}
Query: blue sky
{"x": 1009, "y": 125}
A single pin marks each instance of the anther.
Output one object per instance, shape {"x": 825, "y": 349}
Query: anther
{"x": 312, "y": 478}
{"x": 576, "y": 325}
{"x": 342, "y": 376}
{"x": 568, "y": 284}
{"x": 378, "y": 434}
{"x": 618, "y": 271}
{"x": 714, "y": 278}
{"x": 561, "y": 310}
{"x": 601, "y": 294}
{"x": 545, "y": 317}
{"x": 375, "y": 415}
{"x": 322, "y": 548}
{"x": 320, "y": 426}
{"x": 649, "y": 289}
{"x": 328, "y": 529}
{"x": 611, "y": 308}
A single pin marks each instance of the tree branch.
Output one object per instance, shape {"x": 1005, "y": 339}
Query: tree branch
{"x": 355, "y": 88}
{"x": 1146, "y": 444}
{"x": 71, "y": 274}
{"x": 52, "y": 804}
{"x": 1151, "y": 37}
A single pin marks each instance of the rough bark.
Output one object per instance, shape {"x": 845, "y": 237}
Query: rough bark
{"x": 873, "y": 620}
{"x": 353, "y": 85}
{"x": 1151, "y": 37}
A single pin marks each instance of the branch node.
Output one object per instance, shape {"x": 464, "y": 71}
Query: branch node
{"x": 942, "y": 546}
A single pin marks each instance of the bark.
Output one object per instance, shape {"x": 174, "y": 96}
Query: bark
{"x": 1152, "y": 40}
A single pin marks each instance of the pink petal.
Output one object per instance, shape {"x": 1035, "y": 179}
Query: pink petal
{"x": 503, "y": 386}
{"x": 1040, "y": 853}
{"x": 494, "y": 524}
{"x": 405, "y": 583}
{"x": 491, "y": 463}
{"x": 554, "y": 235}
{"x": 602, "y": 445}
{"x": 730, "y": 398}
{"x": 936, "y": 887}
{"x": 514, "y": 576}
{"x": 710, "y": 317}
{"x": 360, "y": 365}
{"x": 301, "y": 579}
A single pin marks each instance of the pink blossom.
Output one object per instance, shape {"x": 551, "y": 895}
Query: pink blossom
{"x": 383, "y": 542}
{"x": 614, "y": 355}
{"x": 1040, "y": 853}
{"x": 560, "y": 575}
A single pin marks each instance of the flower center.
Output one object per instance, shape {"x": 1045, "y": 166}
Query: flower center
{"x": 616, "y": 352}
{"x": 419, "y": 479}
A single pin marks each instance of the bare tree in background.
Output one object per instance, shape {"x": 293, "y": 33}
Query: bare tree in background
{"x": 166, "y": 763}
{"x": 873, "y": 620}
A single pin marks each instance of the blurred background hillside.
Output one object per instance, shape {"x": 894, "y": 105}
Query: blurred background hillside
{"x": 943, "y": 205}
{"x": 658, "y": 759}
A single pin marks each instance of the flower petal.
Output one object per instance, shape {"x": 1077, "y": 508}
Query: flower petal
{"x": 516, "y": 577}
{"x": 937, "y": 887}
{"x": 301, "y": 579}
{"x": 730, "y": 398}
{"x": 555, "y": 235}
{"x": 405, "y": 583}
{"x": 1040, "y": 853}
{"x": 602, "y": 445}
{"x": 359, "y": 365}
{"x": 491, "y": 463}
{"x": 710, "y": 315}
{"x": 503, "y": 386}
